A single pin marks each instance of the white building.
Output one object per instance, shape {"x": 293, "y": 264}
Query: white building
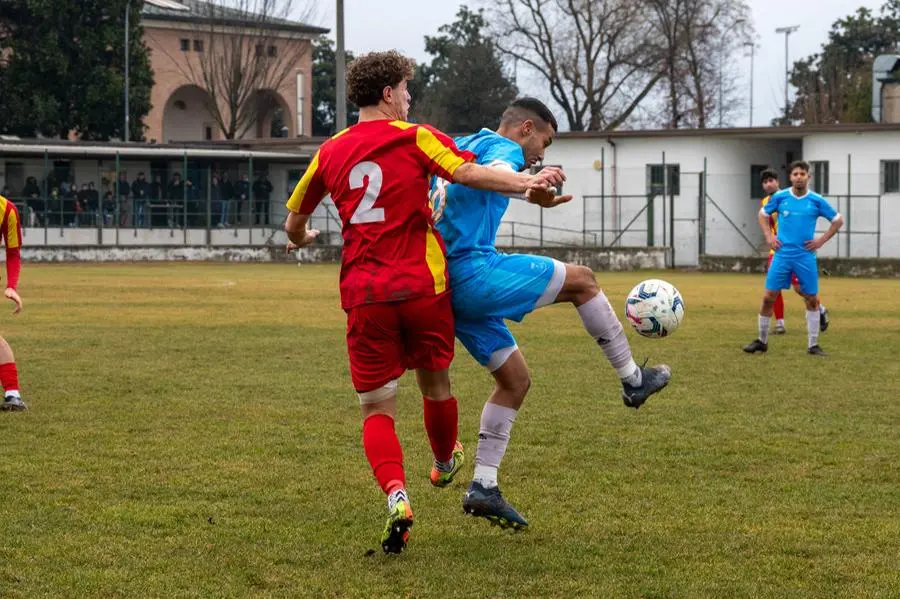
{"x": 613, "y": 175}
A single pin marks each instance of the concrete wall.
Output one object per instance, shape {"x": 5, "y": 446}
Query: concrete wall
{"x": 600, "y": 259}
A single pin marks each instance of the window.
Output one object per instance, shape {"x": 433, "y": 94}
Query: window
{"x": 890, "y": 176}
{"x": 819, "y": 176}
{"x": 185, "y": 45}
{"x": 756, "y": 190}
{"x": 260, "y": 51}
{"x": 207, "y": 132}
{"x": 198, "y": 45}
{"x": 273, "y": 51}
{"x": 655, "y": 183}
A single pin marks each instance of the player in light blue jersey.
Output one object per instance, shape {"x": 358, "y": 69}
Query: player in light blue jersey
{"x": 795, "y": 248}
{"x": 490, "y": 287}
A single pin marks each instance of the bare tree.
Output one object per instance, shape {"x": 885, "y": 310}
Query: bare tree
{"x": 593, "y": 54}
{"x": 698, "y": 43}
{"x": 248, "y": 50}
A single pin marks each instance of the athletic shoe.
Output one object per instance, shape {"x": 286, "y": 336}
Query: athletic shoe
{"x": 442, "y": 479}
{"x": 13, "y": 404}
{"x": 756, "y": 346}
{"x": 652, "y": 380}
{"x": 396, "y": 531}
{"x": 482, "y": 502}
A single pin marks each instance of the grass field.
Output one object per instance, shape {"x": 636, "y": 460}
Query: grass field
{"x": 193, "y": 432}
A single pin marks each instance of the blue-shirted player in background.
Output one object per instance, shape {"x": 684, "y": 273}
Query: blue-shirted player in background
{"x": 489, "y": 287}
{"x": 795, "y": 248}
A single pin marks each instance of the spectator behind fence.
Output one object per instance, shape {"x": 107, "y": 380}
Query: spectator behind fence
{"x": 218, "y": 202}
{"x": 140, "y": 192}
{"x": 262, "y": 190}
{"x": 35, "y": 206}
{"x": 86, "y": 215}
{"x": 109, "y": 208}
{"x": 123, "y": 191}
{"x": 93, "y": 203}
{"x": 242, "y": 195}
{"x": 176, "y": 199}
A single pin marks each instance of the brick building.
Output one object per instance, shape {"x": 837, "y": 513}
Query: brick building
{"x": 178, "y": 33}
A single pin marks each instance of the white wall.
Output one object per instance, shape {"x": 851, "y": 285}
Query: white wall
{"x": 728, "y": 163}
{"x": 866, "y": 151}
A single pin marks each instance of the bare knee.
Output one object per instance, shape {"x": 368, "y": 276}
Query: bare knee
{"x": 812, "y": 302}
{"x": 584, "y": 285}
{"x": 516, "y": 388}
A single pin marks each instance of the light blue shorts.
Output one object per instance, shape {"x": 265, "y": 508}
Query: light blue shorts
{"x": 507, "y": 287}
{"x": 803, "y": 265}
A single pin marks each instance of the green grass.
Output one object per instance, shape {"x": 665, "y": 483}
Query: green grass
{"x": 193, "y": 432}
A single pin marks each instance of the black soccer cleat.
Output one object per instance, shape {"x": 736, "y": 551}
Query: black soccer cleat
{"x": 815, "y": 350}
{"x": 756, "y": 346}
{"x": 13, "y": 404}
{"x": 823, "y": 320}
{"x": 652, "y": 380}
{"x": 490, "y": 504}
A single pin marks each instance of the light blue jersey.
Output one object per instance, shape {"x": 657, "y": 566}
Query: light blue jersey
{"x": 796, "y": 225}
{"x": 468, "y": 219}
{"x": 489, "y": 287}
{"x": 797, "y": 218}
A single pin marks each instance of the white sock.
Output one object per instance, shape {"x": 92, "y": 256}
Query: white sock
{"x": 779, "y": 322}
{"x": 812, "y": 327}
{"x": 764, "y": 328}
{"x": 821, "y": 308}
{"x": 13, "y": 393}
{"x": 396, "y": 497}
{"x": 601, "y": 323}
{"x": 496, "y": 424}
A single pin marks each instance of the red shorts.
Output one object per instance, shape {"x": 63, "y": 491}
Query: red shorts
{"x": 794, "y": 280}
{"x": 384, "y": 340}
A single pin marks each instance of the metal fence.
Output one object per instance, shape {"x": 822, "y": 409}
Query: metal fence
{"x": 178, "y": 200}
{"x": 168, "y": 201}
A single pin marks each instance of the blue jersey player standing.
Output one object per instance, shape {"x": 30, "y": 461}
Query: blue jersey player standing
{"x": 795, "y": 249}
{"x": 490, "y": 287}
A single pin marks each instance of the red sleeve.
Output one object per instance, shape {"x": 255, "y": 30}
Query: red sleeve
{"x": 441, "y": 155}
{"x": 11, "y": 230}
{"x": 310, "y": 189}
{"x": 13, "y": 267}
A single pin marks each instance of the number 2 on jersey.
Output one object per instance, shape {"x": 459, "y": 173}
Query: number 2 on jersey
{"x": 365, "y": 213}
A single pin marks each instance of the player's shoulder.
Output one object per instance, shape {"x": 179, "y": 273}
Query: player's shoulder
{"x": 816, "y": 197}
{"x": 489, "y": 146}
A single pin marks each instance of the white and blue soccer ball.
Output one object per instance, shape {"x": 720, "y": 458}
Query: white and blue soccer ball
{"x": 654, "y": 308}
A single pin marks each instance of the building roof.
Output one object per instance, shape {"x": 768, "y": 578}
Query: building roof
{"x": 744, "y": 132}
{"x": 54, "y": 148}
{"x": 200, "y": 11}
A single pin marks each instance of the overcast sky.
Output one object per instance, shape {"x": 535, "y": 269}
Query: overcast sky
{"x": 402, "y": 24}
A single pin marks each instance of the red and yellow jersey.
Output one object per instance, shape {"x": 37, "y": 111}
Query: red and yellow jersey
{"x": 11, "y": 232}
{"x": 773, "y": 219}
{"x": 378, "y": 175}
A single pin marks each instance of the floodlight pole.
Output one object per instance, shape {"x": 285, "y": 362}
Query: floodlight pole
{"x": 340, "y": 100}
{"x": 127, "y": 76}
{"x": 787, "y": 31}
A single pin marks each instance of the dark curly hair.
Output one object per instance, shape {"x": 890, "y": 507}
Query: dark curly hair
{"x": 369, "y": 74}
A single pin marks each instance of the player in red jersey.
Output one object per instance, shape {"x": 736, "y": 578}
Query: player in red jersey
{"x": 769, "y": 182}
{"x": 11, "y": 231}
{"x": 394, "y": 280}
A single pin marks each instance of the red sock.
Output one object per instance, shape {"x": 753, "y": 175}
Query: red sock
{"x": 9, "y": 377}
{"x": 442, "y": 426}
{"x": 384, "y": 452}
{"x": 779, "y": 307}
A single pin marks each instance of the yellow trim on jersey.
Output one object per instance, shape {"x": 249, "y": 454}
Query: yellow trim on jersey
{"x": 12, "y": 229}
{"x": 438, "y": 152}
{"x": 437, "y": 263}
{"x": 293, "y": 203}
{"x": 402, "y": 125}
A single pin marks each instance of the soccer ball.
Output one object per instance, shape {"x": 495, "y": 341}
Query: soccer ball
{"x": 654, "y": 308}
